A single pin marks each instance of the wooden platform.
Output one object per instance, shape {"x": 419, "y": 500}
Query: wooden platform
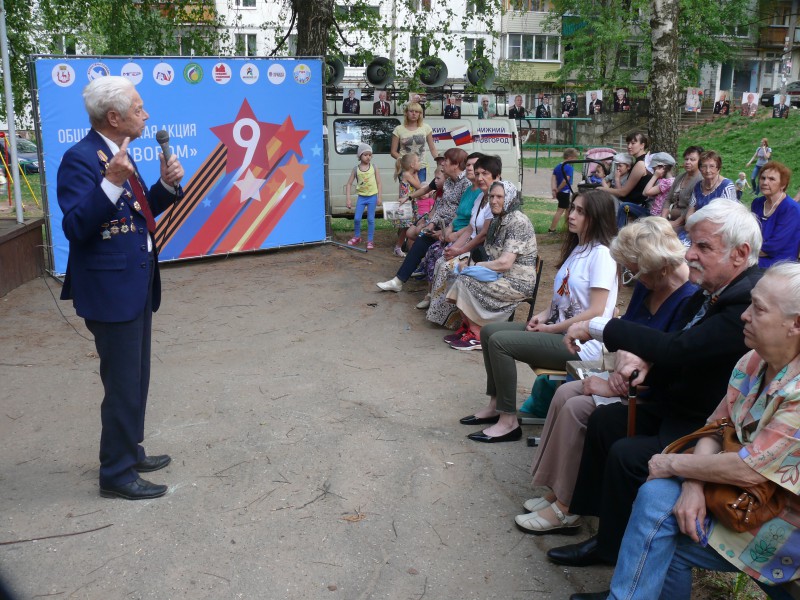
{"x": 21, "y": 252}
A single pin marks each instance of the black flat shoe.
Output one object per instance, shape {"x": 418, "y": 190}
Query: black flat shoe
{"x": 582, "y": 554}
{"x": 135, "y": 490}
{"x": 591, "y": 596}
{"x": 152, "y": 463}
{"x": 473, "y": 420}
{"x": 511, "y": 436}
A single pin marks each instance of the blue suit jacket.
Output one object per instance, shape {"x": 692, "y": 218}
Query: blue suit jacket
{"x": 107, "y": 277}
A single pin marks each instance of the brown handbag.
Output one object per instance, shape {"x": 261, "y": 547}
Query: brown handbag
{"x": 737, "y": 508}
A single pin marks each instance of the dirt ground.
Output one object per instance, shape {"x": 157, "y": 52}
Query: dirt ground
{"x": 313, "y": 425}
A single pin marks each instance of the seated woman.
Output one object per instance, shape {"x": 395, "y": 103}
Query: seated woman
{"x": 778, "y": 215}
{"x": 631, "y": 193}
{"x": 712, "y": 185}
{"x": 585, "y": 287}
{"x": 485, "y": 171}
{"x": 651, "y": 250}
{"x": 511, "y": 249}
{"x": 670, "y": 530}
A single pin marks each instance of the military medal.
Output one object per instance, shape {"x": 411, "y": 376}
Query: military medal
{"x": 133, "y": 228}
{"x": 124, "y": 229}
{"x": 137, "y": 206}
{"x": 114, "y": 227}
{"x": 102, "y": 156}
{"x": 106, "y": 234}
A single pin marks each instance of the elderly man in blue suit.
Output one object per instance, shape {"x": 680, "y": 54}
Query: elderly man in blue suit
{"x": 112, "y": 272}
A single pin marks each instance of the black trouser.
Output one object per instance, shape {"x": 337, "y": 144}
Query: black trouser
{"x": 415, "y": 256}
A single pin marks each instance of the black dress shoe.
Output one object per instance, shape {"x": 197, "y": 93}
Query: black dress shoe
{"x": 135, "y": 490}
{"x": 511, "y": 436}
{"x": 153, "y": 463}
{"x": 473, "y": 420}
{"x": 582, "y": 554}
{"x": 591, "y": 596}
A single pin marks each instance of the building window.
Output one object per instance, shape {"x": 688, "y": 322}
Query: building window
{"x": 533, "y": 47}
{"x": 628, "y": 57}
{"x": 420, "y": 47}
{"x": 473, "y": 48}
{"x": 476, "y": 6}
{"x": 741, "y": 31}
{"x": 246, "y": 3}
{"x": 371, "y": 11}
{"x": 419, "y": 5}
{"x": 246, "y": 44}
{"x": 64, "y": 44}
{"x": 526, "y": 5}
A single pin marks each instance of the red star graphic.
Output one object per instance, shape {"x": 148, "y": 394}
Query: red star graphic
{"x": 288, "y": 138}
{"x": 251, "y": 143}
{"x": 293, "y": 170}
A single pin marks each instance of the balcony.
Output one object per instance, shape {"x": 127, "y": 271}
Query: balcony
{"x": 772, "y": 37}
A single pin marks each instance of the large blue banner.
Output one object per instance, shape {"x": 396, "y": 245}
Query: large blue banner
{"x": 247, "y": 131}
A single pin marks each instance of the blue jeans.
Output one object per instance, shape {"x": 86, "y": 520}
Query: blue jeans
{"x": 635, "y": 209}
{"x": 656, "y": 559}
{"x": 368, "y": 202}
{"x": 754, "y": 179}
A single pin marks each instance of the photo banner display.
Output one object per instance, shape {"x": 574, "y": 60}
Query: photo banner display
{"x": 247, "y": 131}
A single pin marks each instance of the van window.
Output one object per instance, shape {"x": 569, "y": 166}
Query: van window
{"x": 349, "y": 133}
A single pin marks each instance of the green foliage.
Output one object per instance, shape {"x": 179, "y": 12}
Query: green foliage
{"x": 19, "y": 16}
{"x": 357, "y": 25}
{"x": 607, "y": 42}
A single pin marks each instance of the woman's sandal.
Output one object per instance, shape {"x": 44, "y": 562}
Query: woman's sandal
{"x": 536, "y": 524}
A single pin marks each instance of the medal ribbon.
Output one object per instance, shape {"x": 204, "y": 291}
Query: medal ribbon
{"x": 138, "y": 192}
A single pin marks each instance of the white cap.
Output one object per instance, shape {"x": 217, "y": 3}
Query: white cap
{"x": 364, "y": 148}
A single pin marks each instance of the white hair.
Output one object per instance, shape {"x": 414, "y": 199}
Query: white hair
{"x": 789, "y": 273}
{"x": 737, "y": 225}
{"x": 105, "y": 94}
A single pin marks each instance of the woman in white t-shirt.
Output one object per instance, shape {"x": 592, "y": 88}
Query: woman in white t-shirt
{"x": 585, "y": 287}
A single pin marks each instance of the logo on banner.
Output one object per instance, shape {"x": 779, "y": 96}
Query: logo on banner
{"x": 133, "y": 73}
{"x": 193, "y": 73}
{"x": 222, "y": 73}
{"x": 97, "y": 70}
{"x": 163, "y": 73}
{"x": 248, "y": 73}
{"x": 302, "y": 74}
{"x": 276, "y": 74}
{"x": 63, "y": 75}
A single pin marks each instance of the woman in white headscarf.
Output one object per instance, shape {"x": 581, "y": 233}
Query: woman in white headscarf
{"x": 490, "y": 290}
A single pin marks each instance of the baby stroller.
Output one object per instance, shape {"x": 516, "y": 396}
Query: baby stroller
{"x": 594, "y": 156}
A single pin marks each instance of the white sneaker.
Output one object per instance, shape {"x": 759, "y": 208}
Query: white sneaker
{"x": 535, "y": 504}
{"x": 425, "y": 303}
{"x": 399, "y": 252}
{"x": 393, "y": 285}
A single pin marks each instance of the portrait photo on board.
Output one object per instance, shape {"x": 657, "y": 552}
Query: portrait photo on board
{"x": 381, "y": 104}
{"x": 516, "y": 107}
{"x": 594, "y": 102}
{"x": 544, "y": 109}
{"x": 486, "y": 108}
{"x": 351, "y": 105}
{"x": 780, "y": 107}
{"x": 569, "y": 106}
{"x": 621, "y": 101}
{"x": 750, "y": 104}
{"x": 452, "y": 106}
{"x": 722, "y": 106}
{"x": 694, "y": 99}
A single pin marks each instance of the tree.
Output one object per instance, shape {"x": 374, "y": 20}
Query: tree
{"x": 602, "y": 39}
{"x": 662, "y": 122}
{"x": 355, "y": 27}
{"x": 19, "y": 16}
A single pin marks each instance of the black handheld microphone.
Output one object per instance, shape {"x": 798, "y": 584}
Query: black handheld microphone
{"x": 162, "y": 137}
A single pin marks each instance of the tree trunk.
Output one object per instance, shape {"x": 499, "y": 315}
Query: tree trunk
{"x": 663, "y": 118}
{"x": 315, "y": 19}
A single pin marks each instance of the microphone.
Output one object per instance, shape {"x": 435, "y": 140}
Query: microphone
{"x": 162, "y": 137}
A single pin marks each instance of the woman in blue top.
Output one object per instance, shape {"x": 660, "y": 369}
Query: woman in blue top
{"x": 778, "y": 215}
{"x": 651, "y": 250}
{"x": 712, "y": 185}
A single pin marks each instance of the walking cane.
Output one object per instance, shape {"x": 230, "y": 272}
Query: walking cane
{"x": 632, "y": 391}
